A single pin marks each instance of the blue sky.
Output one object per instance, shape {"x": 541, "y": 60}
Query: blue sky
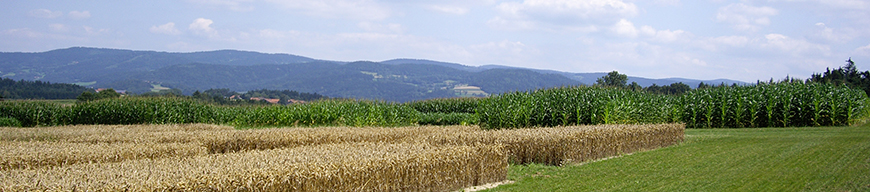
{"x": 743, "y": 40}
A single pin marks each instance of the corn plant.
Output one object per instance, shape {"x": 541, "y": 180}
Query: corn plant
{"x": 140, "y": 110}
{"x": 330, "y": 113}
{"x": 447, "y": 105}
{"x": 567, "y": 106}
{"x": 784, "y": 104}
{"x": 31, "y": 113}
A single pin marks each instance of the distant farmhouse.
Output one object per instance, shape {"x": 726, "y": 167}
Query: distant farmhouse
{"x": 122, "y": 92}
{"x": 274, "y": 101}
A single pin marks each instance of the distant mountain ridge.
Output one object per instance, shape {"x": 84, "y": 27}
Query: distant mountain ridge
{"x": 393, "y": 80}
{"x": 584, "y": 78}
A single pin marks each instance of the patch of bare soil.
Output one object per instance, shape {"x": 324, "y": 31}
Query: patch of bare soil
{"x": 486, "y": 186}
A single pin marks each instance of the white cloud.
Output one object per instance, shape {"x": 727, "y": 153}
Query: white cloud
{"x": 669, "y": 36}
{"x": 456, "y": 10}
{"x": 58, "y": 27}
{"x": 271, "y": 34}
{"x": 202, "y": 26}
{"x": 22, "y": 32}
{"x": 276, "y": 36}
{"x": 234, "y": 5}
{"x": 515, "y": 24}
{"x": 766, "y": 46}
{"x": 846, "y": 4}
{"x": 664, "y": 35}
{"x": 510, "y": 46}
{"x": 625, "y": 28}
{"x": 745, "y": 17}
{"x": 347, "y": 9}
{"x": 693, "y": 61}
{"x": 794, "y": 47}
{"x": 563, "y": 14}
{"x": 648, "y": 30}
{"x": 667, "y": 2}
{"x": 372, "y": 46}
{"x": 865, "y": 50}
{"x": 569, "y": 8}
{"x": 79, "y": 14}
{"x": 731, "y": 41}
{"x": 454, "y": 7}
{"x": 30, "y": 36}
{"x": 654, "y": 61}
{"x": 826, "y": 34}
{"x": 370, "y": 37}
{"x": 45, "y": 13}
{"x": 504, "y": 52}
{"x": 375, "y": 27}
{"x": 92, "y": 31}
{"x": 168, "y": 28}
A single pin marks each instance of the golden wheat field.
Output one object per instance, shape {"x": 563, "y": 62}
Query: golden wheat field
{"x": 201, "y": 157}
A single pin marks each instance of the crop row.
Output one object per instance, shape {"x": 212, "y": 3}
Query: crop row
{"x": 567, "y": 106}
{"x": 773, "y": 105}
{"x": 782, "y": 104}
{"x": 329, "y": 167}
{"x": 329, "y": 113}
{"x": 168, "y": 110}
{"x": 444, "y": 105}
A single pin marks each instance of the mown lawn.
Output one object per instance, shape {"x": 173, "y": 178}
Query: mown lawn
{"x": 759, "y": 159}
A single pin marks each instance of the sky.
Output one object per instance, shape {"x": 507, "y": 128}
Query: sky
{"x": 744, "y": 40}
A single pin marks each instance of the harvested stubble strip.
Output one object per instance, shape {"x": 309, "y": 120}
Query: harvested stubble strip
{"x": 329, "y": 167}
{"x": 111, "y": 133}
{"x": 36, "y": 154}
{"x": 573, "y": 144}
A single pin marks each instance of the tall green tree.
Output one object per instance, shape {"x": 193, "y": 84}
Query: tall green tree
{"x": 634, "y": 86}
{"x": 108, "y": 93}
{"x": 613, "y": 79}
{"x": 87, "y": 96}
{"x": 91, "y": 96}
{"x": 847, "y": 75}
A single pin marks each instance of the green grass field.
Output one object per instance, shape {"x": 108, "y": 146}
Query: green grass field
{"x": 763, "y": 159}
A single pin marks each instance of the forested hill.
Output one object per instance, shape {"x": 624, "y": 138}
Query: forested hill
{"x": 364, "y": 80}
{"x": 22, "y": 89}
{"x": 394, "y": 80}
{"x": 81, "y": 65}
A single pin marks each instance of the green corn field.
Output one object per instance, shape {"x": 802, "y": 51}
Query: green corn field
{"x": 174, "y": 110}
{"x": 786, "y": 104}
{"x": 567, "y": 106}
{"x": 448, "y": 105}
{"x": 330, "y": 112}
{"x": 31, "y": 113}
{"x": 783, "y": 104}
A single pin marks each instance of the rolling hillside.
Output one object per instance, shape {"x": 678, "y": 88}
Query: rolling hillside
{"x": 392, "y": 80}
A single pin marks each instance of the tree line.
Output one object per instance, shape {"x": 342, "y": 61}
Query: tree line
{"x": 847, "y": 75}
{"x": 614, "y": 79}
{"x": 23, "y": 89}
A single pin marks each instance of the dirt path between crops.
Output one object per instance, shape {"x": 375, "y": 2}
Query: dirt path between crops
{"x": 486, "y": 186}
